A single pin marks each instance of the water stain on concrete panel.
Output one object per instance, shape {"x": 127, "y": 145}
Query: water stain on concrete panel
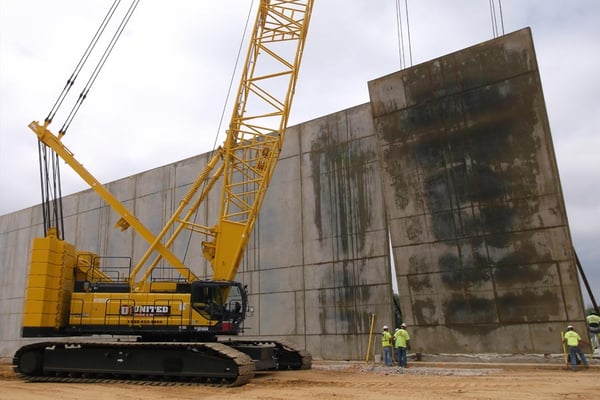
{"x": 418, "y": 283}
{"x": 425, "y": 311}
{"x": 338, "y": 311}
{"x": 470, "y": 309}
{"x": 418, "y": 264}
{"x": 396, "y": 159}
{"x": 528, "y": 306}
{"x": 340, "y": 173}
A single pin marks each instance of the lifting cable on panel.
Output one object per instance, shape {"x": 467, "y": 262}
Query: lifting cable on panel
{"x": 50, "y": 181}
{"x": 495, "y": 15}
{"x": 401, "y": 48}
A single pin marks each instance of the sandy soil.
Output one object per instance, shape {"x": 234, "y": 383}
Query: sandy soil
{"x": 328, "y": 380}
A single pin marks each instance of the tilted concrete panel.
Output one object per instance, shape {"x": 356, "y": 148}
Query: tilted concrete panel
{"x": 481, "y": 245}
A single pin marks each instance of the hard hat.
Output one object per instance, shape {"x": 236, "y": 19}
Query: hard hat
{"x": 403, "y": 325}
{"x": 385, "y": 327}
{"x": 396, "y": 330}
{"x": 570, "y": 327}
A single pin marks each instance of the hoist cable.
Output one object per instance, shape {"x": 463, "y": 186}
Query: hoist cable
{"x": 82, "y": 61}
{"x": 501, "y": 16}
{"x": 99, "y": 67}
{"x": 52, "y": 207}
{"x": 401, "y": 28}
{"x": 401, "y": 51}
{"x": 494, "y": 18}
{"x": 57, "y": 194}
{"x": 43, "y": 181}
{"x": 408, "y": 33}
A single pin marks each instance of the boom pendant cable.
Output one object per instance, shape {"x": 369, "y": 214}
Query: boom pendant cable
{"x": 98, "y": 68}
{"x": 82, "y": 61}
{"x": 50, "y": 180}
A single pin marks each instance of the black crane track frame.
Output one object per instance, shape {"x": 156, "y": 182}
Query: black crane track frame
{"x": 199, "y": 363}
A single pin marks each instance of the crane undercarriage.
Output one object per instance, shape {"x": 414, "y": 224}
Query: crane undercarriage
{"x": 228, "y": 363}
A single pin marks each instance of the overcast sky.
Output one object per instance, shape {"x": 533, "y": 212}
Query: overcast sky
{"x": 160, "y": 96}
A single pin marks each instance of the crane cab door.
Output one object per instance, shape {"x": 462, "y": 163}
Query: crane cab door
{"x": 220, "y": 301}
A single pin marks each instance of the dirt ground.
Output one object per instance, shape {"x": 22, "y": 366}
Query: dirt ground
{"x": 347, "y": 380}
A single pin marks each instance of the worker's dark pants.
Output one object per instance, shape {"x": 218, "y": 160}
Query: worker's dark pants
{"x": 387, "y": 356}
{"x": 401, "y": 356}
{"x": 575, "y": 351}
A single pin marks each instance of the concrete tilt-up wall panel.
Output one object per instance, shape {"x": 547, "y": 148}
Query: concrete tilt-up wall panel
{"x": 481, "y": 244}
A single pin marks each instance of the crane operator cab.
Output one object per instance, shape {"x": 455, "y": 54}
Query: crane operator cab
{"x": 223, "y": 301}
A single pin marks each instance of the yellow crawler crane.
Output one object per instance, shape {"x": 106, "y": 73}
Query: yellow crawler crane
{"x": 176, "y": 322}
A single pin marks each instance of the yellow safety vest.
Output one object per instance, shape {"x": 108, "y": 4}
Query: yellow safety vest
{"x": 401, "y": 337}
{"x": 572, "y": 338}
{"x": 386, "y": 339}
{"x": 593, "y": 320}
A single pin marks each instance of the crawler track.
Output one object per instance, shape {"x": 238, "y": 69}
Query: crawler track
{"x": 287, "y": 355}
{"x": 132, "y": 362}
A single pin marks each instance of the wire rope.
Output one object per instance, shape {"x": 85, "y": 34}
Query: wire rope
{"x": 82, "y": 61}
{"x": 501, "y": 16}
{"x": 401, "y": 40}
{"x": 494, "y": 18}
{"x": 49, "y": 161}
{"x": 99, "y": 66}
{"x": 408, "y": 33}
{"x": 400, "y": 35}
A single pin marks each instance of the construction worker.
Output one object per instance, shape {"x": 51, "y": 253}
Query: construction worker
{"x": 386, "y": 343}
{"x": 402, "y": 343}
{"x": 573, "y": 340}
{"x": 593, "y": 321}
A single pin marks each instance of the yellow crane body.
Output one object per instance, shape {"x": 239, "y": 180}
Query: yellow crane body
{"x": 176, "y": 322}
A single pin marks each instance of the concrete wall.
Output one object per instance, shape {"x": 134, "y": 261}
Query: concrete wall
{"x": 479, "y": 231}
{"x": 317, "y": 264}
{"x": 323, "y": 264}
{"x": 453, "y": 155}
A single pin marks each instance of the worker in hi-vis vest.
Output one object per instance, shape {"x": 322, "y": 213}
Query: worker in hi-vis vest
{"x": 572, "y": 339}
{"x": 386, "y": 343}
